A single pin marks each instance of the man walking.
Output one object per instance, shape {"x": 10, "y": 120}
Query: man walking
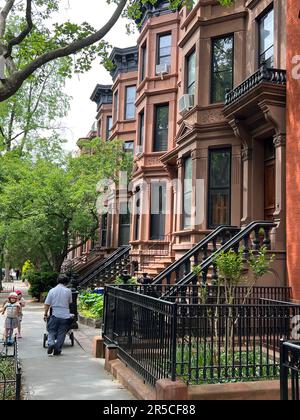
{"x": 58, "y": 299}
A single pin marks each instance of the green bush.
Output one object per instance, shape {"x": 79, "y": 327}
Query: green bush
{"x": 41, "y": 283}
{"x": 91, "y": 305}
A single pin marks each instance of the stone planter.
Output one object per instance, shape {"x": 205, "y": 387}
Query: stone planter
{"x": 90, "y": 322}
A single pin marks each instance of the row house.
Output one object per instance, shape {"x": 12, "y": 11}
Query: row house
{"x": 201, "y": 102}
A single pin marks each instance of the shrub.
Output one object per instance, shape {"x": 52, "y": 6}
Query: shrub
{"x": 41, "y": 283}
{"x": 91, "y": 305}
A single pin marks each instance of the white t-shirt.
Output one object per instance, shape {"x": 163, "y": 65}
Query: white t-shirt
{"x": 59, "y": 299}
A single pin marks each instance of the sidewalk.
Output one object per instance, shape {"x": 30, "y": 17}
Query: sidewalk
{"x": 74, "y": 375}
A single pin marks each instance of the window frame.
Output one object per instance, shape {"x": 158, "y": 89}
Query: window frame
{"x": 187, "y": 58}
{"x": 212, "y": 73}
{"x": 116, "y": 107}
{"x": 109, "y": 130}
{"x": 158, "y": 56}
{"x": 143, "y": 61}
{"x": 154, "y": 143}
{"x": 186, "y": 226}
{"x": 259, "y": 19}
{"x": 129, "y": 103}
{"x": 210, "y": 225}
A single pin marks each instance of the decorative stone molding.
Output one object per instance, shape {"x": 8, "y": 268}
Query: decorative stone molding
{"x": 280, "y": 140}
{"x": 247, "y": 154}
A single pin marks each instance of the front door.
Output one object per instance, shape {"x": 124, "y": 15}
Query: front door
{"x": 270, "y": 179}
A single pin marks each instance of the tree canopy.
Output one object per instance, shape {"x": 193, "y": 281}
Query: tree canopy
{"x": 45, "y": 207}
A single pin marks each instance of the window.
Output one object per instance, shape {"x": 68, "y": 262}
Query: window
{"x": 187, "y": 193}
{"x": 222, "y": 68}
{"x": 158, "y": 211}
{"x": 143, "y": 61}
{"x": 124, "y": 224}
{"x": 109, "y": 124}
{"x": 161, "y": 128}
{"x": 138, "y": 215}
{"x": 104, "y": 222}
{"x": 266, "y": 39}
{"x": 141, "y": 129}
{"x": 116, "y": 106}
{"x": 219, "y": 187}
{"x": 191, "y": 73}
{"x": 130, "y": 103}
{"x": 164, "y": 49}
{"x": 128, "y": 146}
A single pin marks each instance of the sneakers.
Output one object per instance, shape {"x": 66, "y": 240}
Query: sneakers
{"x": 50, "y": 350}
{"x": 57, "y": 353}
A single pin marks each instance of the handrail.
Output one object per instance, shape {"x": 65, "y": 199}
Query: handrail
{"x": 115, "y": 257}
{"x": 233, "y": 243}
{"x": 205, "y": 241}
{"x": 98, "y": 265}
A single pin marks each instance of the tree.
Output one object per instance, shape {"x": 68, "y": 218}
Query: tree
{"x": 45, "y": 45}
{"x": 44, "y": 206}
{"x": 34, "y": 111}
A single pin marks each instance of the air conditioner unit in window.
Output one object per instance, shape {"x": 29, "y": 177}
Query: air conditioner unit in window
{"x": 186, "y": 102}
{"x": 162, "y": 69}
{"x": 138, "y": 150}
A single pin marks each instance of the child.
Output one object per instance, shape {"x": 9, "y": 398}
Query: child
{"x": 12, "y": 310}
{"x": 22, "y": 305}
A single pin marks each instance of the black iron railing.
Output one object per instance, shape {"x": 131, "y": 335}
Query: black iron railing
{"x": 264, "y": 74}
{"x": 210, "y": 294}
{"x": 290, "y": 371}
{"x": 10, "y": 372}
{"x": 197, "y": 343}
{"x": 183, "y": 266}
{"x": 248, "y": 238}
{"x": 108, "y": 269}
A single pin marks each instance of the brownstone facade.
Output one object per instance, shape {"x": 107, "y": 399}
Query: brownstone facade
{"x": 208, "y": 128}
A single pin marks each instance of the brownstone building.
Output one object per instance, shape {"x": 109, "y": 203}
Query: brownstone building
{"x": 201, "y": 101}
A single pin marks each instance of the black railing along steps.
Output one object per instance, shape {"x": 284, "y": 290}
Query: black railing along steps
{"x": 198, "y": 253}
{"x": 108, "y": 269}
{"x": 242, "y": 236}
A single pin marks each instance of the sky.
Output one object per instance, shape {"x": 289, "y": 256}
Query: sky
{"x": 83, "y": 111}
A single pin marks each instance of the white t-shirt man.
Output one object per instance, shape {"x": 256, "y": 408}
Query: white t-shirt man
{"x": 60, "y": 298}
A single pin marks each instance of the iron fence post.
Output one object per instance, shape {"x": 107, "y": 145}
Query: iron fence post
{"x": 284, "y": 385}
{"x": 174, "y": 342}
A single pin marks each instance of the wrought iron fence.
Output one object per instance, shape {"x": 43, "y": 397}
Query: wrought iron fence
{"x": 197, "y": 343}
{"x": 290, "y": 371}
{"x": 10, "y": 372}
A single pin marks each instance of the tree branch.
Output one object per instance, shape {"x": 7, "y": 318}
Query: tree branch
{"x": 3, "y": 15}
{"x": 26, "y": 31}
{"x": 15, "y": 81}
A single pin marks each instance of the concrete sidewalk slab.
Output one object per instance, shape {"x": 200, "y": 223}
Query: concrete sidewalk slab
{"x": 73, "y": 376}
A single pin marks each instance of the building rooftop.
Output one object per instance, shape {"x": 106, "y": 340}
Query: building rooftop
{"x": 124, "y": 60}
{"x": 102, "y": 94}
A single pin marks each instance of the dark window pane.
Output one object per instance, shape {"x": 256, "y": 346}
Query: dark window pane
{"x": 219, "y": 187}
{"x": 161, "y": 128}
{"x": 141, "y": 129}
{"x": 144, "y": 61}
{"x": 158, "y": 210}
{"x": 222, "y": 67}
{"x": 124, "y": 221}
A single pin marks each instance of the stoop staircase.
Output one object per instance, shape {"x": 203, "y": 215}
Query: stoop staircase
{"x": 222, "y": 239}
{"x": 107, "y": 270}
